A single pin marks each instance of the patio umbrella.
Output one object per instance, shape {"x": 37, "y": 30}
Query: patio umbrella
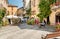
{"x": 11, "y": 16}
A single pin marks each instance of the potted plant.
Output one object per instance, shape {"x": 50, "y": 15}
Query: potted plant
{"x": 2, "y": 14}
{"x": 57, "y": 28}
{"x": 29, "y": 22}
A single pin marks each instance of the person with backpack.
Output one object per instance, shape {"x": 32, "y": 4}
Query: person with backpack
{"x": 43, "y": 23}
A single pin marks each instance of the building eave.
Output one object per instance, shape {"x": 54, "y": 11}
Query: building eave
{"x": 9, "y": 5}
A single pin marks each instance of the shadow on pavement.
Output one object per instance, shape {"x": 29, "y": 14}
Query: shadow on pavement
{"x": 35, "y": 27}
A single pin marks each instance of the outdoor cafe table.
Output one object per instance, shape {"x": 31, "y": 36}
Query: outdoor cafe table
{"x": 11, "y": 17}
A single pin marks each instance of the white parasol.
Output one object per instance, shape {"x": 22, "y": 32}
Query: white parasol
{"x": 11, "y": 16}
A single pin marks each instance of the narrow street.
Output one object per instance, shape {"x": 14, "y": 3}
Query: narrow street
{"x": 29, "y": 19}
{"x": 23, "y": 31}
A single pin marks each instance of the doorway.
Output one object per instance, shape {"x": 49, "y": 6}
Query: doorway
{"x": 58, "y": 18}
{"x": 48, "y": 22}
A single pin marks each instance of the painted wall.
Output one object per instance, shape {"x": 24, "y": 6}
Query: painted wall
{"x": 34, "y": 7}
{"x": 20, "y": 12}
{"x": 53, "y": 16}
{"x": 3, "y": 3}
{"x": 12, "y": 12}
{"x": 26, "y": 5}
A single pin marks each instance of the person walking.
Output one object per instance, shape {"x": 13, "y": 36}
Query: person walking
{"x": 45, "y": 22}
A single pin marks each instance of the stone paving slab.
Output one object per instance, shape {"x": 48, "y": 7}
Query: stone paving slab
{"x": 26, "y": 32}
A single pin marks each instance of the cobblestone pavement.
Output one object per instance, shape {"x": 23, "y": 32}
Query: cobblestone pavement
{"x": 23, "y": 31}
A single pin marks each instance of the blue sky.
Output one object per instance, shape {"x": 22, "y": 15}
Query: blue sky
{"x": 18, "y": 3}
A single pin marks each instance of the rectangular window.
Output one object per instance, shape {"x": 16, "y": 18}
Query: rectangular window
{"x": 33, "y": 3}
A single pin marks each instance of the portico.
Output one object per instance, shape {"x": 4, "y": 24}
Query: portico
{"x": 55, "y": 16}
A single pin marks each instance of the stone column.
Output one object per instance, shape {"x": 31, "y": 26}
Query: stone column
{"x": 52, "y": 18}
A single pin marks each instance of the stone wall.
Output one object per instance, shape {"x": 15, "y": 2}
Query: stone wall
{"x": 53, "y": 16}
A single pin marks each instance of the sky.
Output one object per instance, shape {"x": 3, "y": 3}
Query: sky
{"x": 18, "y": 3}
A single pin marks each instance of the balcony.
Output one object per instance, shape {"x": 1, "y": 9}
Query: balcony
{"x": 55, "y": 6}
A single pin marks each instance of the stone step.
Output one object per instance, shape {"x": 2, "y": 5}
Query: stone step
{"x": 23, "y": 35}
{"x": 9, "y": 30}
{"x": 31, "y": 35}
{"x": 37, "y": 35}
{"x": 14, "y": 32}
{"x": 8, "y": 36}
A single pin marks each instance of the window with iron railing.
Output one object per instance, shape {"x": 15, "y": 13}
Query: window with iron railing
{"x": 57, "y": 2}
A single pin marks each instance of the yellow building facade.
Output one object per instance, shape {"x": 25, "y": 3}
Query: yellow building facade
{"x": 20, "y": 11}
{"x": 12, "y": 10}
{"x": 34, "y": 7}
{"x": 54, "y": 17}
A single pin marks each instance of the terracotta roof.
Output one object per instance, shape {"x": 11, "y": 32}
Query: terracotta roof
{"x": 9, "y": 5}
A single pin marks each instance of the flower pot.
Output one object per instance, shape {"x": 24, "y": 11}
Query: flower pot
{"x": 57, "y": 30}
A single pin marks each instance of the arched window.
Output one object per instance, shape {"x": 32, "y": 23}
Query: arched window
{"x": 58, "y": 17}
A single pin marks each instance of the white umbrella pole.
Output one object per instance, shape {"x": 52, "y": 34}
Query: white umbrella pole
{"x": 11, "y": 21}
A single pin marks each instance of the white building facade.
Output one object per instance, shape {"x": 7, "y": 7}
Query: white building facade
{"x": 4, "y": 3}
{"x": 27, "y": 5}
